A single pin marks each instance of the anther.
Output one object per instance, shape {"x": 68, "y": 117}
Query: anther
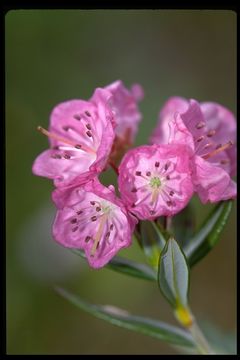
{"x": 98, "y": 208}
{"x": 56, "y": 156}
{"x": 148, "y": 173}
{"x": 92, "y": 202}
{"x": 77, "y": 117}
{"x": 211, "y": 133}
{"x": 138, "y": 173}
{"x": 224, "y": 161}
{"x": 157, "y": 164}
{"x": 88, "y": 126}
{"x": 73, "y": 221}
{"x": 134, "y": 190}
{"x": 107, "y": 234}
{"x": 87, "y": 113}
{"x": 207, "y": 145}
{"x": 200, "y": 138}
{"x": 79, "y": 212}
{"x": 166, "y": 166}
{"x": 171, "y": 193}
{"x": 200, "y": 125}
{"x": 89, "y": 134}
{"x": 169, "y": 203}
{"x": 168, "y": 177}
{"x": 66, "y": 128}
{"x": 66, "y": 156}
{"x": 74, "y": 229}
{"x": 87, "y": 238}
{"x": 218, "y": 146}
{"x": 111, "y": 227}
{"x": 78, "y": 146}
{"x": 93, "y": 218}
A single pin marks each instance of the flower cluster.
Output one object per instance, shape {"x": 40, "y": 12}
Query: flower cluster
{"x": 192, "y": 150}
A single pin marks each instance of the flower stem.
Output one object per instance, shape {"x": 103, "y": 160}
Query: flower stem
{"x": 186, "y": 319}
{"x": 200, "y": 340}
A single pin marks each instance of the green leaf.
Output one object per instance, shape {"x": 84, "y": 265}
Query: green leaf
{"x": 152, "y": 241}
{"x": 122, "y": 318}
{"x": 208, "y": 235}
{"x": 126, "y": 266}
{"x": 183, "y": 225}
{"x": 173, "y": 274}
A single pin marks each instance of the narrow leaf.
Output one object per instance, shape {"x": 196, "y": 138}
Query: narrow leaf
{"x": 126, "y": 266}
{"x": 122, "y": 318}
{"x": 209, "y": 233}
{"x": 173, "y": 274}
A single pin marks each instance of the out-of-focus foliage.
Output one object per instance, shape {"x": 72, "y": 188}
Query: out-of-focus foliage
{"x": 55, "y": 55}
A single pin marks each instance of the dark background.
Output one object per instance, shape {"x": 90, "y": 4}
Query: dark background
{"x": 56, "y": 55}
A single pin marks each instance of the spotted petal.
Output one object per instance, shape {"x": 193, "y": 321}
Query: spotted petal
{"x": 95, "y": 220}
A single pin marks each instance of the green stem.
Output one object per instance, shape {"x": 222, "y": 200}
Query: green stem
{"x": 185, "y": 317}
{"x": 200, "y": 340}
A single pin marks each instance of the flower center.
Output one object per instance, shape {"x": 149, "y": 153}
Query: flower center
{"x": 155, "y": 182}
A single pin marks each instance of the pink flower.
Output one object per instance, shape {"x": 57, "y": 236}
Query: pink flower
{"x": 125, "y": 108}
{"x": 156, "y": 180}
{"x": 95, "y": 220}
{"x": 81, "y": 135}
{"x": 210, "y": 131}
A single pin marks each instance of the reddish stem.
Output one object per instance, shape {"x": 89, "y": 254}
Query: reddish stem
{"x": 114, "y": 167}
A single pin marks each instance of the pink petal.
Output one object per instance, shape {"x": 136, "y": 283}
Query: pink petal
{"x": 93, "y": 219}
{"x": 162, "y": 132}
{"x": 211, "y": 182}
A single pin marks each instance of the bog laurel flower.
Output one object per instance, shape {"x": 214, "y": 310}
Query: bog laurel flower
{"x": 81, "y": 135}
{"x": 93, "y": 219}
{"x": 209, "y": 130}
{"x": 156, "y": 180}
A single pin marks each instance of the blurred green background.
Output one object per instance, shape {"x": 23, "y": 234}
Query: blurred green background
{"x": 55, "y": 55}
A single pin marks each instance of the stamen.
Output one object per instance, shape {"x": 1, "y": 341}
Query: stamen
{"x": 87, "y": 238}
{"x": 93, "y": 218}
{"x": 79, "y": 212}
{"x": 78, "y": 146}
{"x": 218, "y": 146}
{"x": 73, "y": 221}
{"x": 200, "y": 138}
{"x": 138, "y": 173}
{"x": 134, "y": 190}
{"x": 166, "y": 166}
{"x": 56, "y": 156}
{"x": 167, "y": 177}
{"x": 65, "y": 141}
{"x": 66, "y": 128}
{"x": 171, "y": 193}
{"x": 218, "y": 150}
{"x": 157, "y": 164}
{"x": 155, "y": 193}
{"x": 148, "y": 173}
{"x": 207, "y": 145}
{"x": 66, "y": 156}
{"x": 87, "y": 113}
{"x": 169, "y": 203}
{"x": 77, "y": 117}
{"x": 98, "y": 208}
{"x": 92, "y": 202}
{"x": 107, "y": 234}
{"x": 88, "y": 126}
{"x": 211, "y": 133}
{"x": 98, "y": 234}
{"x": 111, "y": 227}
{"x": 224, "y": 161}
{"x": 74, "y": 229}
{"x": 200, "y": 125}
{"x": 89, "y": 134}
